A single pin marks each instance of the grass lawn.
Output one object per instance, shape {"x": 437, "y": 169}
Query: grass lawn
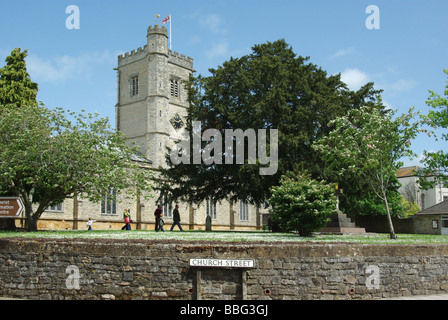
{"x": 228, "y": 236}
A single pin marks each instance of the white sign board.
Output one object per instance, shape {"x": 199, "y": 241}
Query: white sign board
{"x": 222, "y": 263}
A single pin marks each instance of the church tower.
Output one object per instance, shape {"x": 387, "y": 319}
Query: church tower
{"x": 152, "y": 101}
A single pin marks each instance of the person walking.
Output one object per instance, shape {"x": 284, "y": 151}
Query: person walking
{"x": 158, "y": 216}
{"x": 89, "y": 224}
{"x": 161, "y": 224}
{"x": 127, "y": 219}
{"x": 176, "y": 219}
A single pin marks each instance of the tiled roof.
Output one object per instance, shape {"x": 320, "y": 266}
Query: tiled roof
{"x": 408, "y": 171}
{"x": 440, "y": 208}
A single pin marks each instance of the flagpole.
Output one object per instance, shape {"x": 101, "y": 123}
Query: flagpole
{"x": 170, "y": 31}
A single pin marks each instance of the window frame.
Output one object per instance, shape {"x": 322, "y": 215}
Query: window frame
{"x": 134, "y": 85}
{"x": 57, "y": 208}
{"x": 167, "y": 207}
{"x": 244, "y": 211}
{"x": 174, "y": 88}
{"x": 108, "y": 205}
{"x": 210, "y": 208}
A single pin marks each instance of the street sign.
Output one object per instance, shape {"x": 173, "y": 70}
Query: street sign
{"x": 223, "y": 263}
{"x": 10, "y": 207}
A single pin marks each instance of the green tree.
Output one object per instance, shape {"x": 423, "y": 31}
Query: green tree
{"x": 409, "y": 208}
{"x": 359, "y": 199}
{"x": 369, "y": 143}
{"x": 302, "y": 204}
{"x": 436, "y": 163}
{"x": 47, "y": 155}
{"x": 16, "y": 87}
{"x": 271, "y": 88}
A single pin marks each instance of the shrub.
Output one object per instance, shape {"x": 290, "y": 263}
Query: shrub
{"x": 302, "y": 204}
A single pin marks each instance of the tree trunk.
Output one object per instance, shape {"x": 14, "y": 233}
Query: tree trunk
{"x": 30, "y": 218}
{"x": 389, "y": 218}
{"x": 32, "y": 224}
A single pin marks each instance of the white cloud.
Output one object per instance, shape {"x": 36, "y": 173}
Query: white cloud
{"x": 342, "y": 52}
{"x": 63, "y": 68}
{"x": 403, "y": 85}
{"x": 213, "y": 23}
{"x": 220, "y": 49}
{"x": 387, "y": 105}
{"x": 354, "y": 78}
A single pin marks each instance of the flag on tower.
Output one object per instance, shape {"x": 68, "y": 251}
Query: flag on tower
{"x": 166, "y": 20}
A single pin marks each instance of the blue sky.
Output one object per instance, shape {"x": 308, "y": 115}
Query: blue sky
{"x": 74, "y": 68}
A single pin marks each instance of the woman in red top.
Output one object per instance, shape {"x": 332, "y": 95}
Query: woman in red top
{"x": 127, "y": 219}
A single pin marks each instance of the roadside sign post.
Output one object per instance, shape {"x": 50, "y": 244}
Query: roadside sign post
{"x": 10, "y": 207}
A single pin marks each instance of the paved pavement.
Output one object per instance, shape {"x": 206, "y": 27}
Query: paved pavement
{"x": 428, "y": 297}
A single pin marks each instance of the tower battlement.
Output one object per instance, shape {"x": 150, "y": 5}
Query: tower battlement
{"x": 180, "y": 59}
{"x": 152, "y": 30}
{"x": 133, "y": 52}
{"x": 173, "y": 56}
{"x": 156, "y": 29}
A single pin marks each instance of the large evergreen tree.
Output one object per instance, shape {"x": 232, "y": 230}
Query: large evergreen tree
{"x": 16, "y": 87}
{"x": 271, "y": 88}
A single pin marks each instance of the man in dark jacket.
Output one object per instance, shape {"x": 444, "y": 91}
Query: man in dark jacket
{"x": 176, "y": 218}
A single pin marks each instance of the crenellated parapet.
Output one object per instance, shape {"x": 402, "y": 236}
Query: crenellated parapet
{"x": 153, "y": 46}
{"x": 157, "y": 29}
{"x": 133, "y": 53}
{"x": 180, "y": 59}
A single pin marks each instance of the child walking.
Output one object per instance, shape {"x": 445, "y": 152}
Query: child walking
{"x": 89, "y": 224}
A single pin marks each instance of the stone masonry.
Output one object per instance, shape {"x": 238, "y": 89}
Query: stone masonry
{"x": 144, "y": 115}
{"x": 138, "y": 269}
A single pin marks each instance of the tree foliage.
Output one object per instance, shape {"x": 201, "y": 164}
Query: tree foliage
{"x": 16, "y": 87}
{"x": 47, "y": 155}
{"x": 302, "y": 204}
{"x": 369, "y": 143}
{"x": 271, "y": 88}
{"x": 436, "y": 163}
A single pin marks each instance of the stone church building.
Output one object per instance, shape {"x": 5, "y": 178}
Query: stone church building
{"x": 150, "y": 111}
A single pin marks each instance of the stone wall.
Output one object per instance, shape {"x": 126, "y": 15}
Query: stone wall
{"x": 380, "y": 224}
{"x": 138, "y": 269}
{"x": 428, "y": 224}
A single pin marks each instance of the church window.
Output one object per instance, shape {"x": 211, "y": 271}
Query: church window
{"x": 244, "y": 211}
{"x": 211, "y": 208}
{"x": 55, "y": 208}
{"x": 167, "y": 207}
{"x": 134, "y": 85}
{"x": 175, "y": 88}
{"x": 108, "y": 202}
